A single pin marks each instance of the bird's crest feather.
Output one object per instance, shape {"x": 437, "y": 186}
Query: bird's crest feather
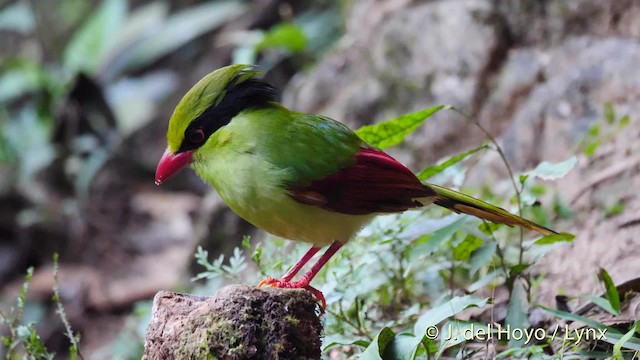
{"x": 210, "y": 90}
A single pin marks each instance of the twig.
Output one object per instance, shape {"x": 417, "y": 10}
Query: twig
{"x": 506, "y": 164}
{"x": 498, "y": 250}
{"x": 361, "y": 330}
{"x": 75, "y": 347}
{"x": 452, "y": 270}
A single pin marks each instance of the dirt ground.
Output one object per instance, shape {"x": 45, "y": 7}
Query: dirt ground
{"x": 604, "y": 241}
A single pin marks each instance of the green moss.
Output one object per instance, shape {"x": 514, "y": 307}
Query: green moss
{"x": 292, "y": 320}
{"x": 279, "y": 347}
{"x": 238, "y": 350}
{"x": 219, "y": 329}
{"x": 273, "y": 324}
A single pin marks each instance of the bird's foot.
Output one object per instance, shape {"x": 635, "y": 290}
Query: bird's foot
{"x": 300, "y": 284}
{"x": 285, "y": 283}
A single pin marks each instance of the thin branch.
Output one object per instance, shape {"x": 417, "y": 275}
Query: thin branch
{"x": 73, "y": 339}
{"x": 509, "y": 170}
{"x": 452, "y": 270}
{"x": 361, "y": 330}
{"x": 503, "y": 265}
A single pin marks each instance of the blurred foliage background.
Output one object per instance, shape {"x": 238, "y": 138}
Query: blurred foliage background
{"x": 87, "y": 87}
{"x": 86, "y": 90}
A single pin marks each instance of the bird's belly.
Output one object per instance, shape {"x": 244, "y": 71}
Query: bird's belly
{"x": 252, "y": 188}
{"x": 284, "y": 217}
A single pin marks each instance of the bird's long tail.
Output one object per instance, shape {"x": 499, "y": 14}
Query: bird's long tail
{"x": 466, "y": 204}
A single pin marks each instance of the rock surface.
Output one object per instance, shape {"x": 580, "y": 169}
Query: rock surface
{"x": 536, "y": 74}
{"x": 407, "y": 58}
{"x": 238, "y": 322}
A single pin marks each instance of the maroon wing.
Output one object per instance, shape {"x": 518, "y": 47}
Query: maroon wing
{"x": 377, "y": 183}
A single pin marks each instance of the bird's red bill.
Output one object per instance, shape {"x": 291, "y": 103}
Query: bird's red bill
{"x": 171, "y": 163}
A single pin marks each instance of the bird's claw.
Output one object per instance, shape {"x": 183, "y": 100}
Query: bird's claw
{"x": 295, "y": 285}
{"x": 318, "y": 295}
{"x": 269, "y": 282}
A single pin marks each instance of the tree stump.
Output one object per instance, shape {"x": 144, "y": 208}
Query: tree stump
{"x": 238, "y": 322}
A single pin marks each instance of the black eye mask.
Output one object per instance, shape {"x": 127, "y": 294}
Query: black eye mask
{"x": 249, "y": 93}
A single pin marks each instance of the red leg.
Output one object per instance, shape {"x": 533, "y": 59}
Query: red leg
{"x": 297, "y": 266}
{"x": 309, "y": 275}
{"x": 305, "y": 279}
{"x": 294, "y": 270}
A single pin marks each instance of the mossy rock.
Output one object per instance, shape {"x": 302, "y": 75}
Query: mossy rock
{"x": 238, "y": 322}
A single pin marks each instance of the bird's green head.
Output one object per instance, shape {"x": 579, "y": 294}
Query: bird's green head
{"x": 209, "y": 105}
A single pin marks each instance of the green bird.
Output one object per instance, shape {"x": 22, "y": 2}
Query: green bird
{"x": 299, "y": 176}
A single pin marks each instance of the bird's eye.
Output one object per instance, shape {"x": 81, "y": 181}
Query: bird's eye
{"x": 196, "y": 135}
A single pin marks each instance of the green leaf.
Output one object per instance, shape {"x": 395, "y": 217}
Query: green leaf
{"x": 527, "y": 352}
{"x": 562, "y": 209}
{"x": 436, "y": 169}
{"x": 488, "y": 227}
{"x": 246, "y": 242}
{"x": 141, "y": 24}
{"x": 609, "y": 113}
{"x": 617, "y": 347}
{"x": 94, "y": 161}
{"x": 624, "y": 121}
{"x": 550, "y": 171}
{"x": 585, "y": 354}
{"x": 444, "y": 311}
{"x": 404, "y": 346}
{"x": 18, "y": 78}
{"x": 321, "y": 28}
{"x": 436, "y": 239}
{"x": 611, "y": 336}
{"x": 517, "y": 312}
{"x": 554, "y": 238}
{"x": 466, "y": 247}
{"x": 611, "y": 292}
{"x": 244, "y": 54}
{"x": 89, "y": 44}
{"x": 602, "y": 303}
{"x": 518, "y": 269}
{"x": 538, "y": 190}
{"x": 183, "y": 27}
{"x": 523, "y": 178}
{"x": 337, "y": 340}
{"x": 376, "y": 349}
{"x": 17, "y": 17}
{"x": 591, "y": 147}
{"x": 456, "y": 332}
{"x": 256, "y": 256}
{"x": 392, "y": 132}
{"x": 28, "y": 137}
{"x": 284, "y": 36}
{"x": 615, "y": 209}
{"x": 134, "y": 101}
{"x": 484, "y": 281}
{"x": 481, "y": 256}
